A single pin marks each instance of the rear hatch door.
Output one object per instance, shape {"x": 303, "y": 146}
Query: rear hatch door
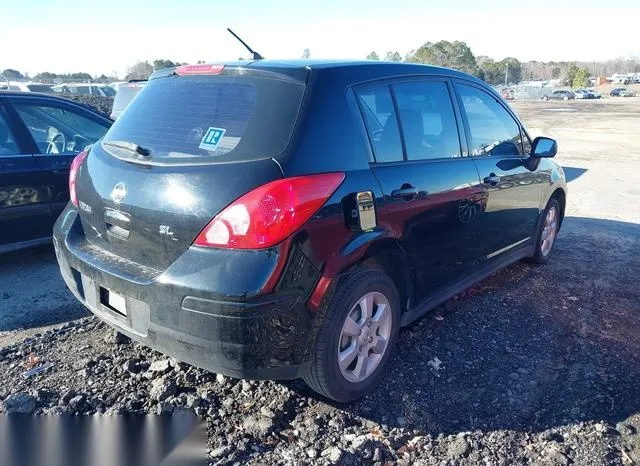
{"x": 186, "y": 147}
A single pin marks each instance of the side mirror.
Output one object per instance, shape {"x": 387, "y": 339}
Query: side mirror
{"x": 544, "y": 147}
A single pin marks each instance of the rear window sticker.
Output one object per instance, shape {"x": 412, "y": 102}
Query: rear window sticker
{"x": 212, "y": 138}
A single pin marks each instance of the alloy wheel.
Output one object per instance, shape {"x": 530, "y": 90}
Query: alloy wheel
{"x": 549, "y": 230}
{"x": 365, "y": 337}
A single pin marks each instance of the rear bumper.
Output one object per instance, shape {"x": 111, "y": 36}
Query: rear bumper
{"x": 265, "y": 337}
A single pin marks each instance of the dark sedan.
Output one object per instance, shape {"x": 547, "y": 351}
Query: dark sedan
{"x": 621, "y": 92}
{"x": 40, "y": 134}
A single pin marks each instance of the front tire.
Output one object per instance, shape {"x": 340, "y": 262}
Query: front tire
{"x": 356, "y": 343}
{"x": 547, "y": 231}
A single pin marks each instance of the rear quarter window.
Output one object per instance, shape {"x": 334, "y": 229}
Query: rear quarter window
{"x": 175, "y": 118}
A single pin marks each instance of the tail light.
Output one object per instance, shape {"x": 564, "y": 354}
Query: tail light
{"x": 270, "y": 213}
{"x": 73, "y": 174}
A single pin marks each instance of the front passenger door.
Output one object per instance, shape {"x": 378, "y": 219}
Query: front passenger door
{"x": 512, "y": 189}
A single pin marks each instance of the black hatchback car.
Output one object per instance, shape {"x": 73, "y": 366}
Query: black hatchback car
{"x": 40, "y": 134}
{"x": 285, "y": 219}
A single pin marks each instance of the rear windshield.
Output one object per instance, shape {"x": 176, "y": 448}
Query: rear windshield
{"x": 208, "y": 119}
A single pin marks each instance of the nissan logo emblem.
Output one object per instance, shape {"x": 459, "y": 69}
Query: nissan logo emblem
{"x": 118, "y": 193}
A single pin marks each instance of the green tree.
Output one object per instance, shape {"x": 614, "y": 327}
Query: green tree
{"x": 393, "y": 56}
{"x": 571, "y": 74}
{"x": 580, "y": 78}
{"x": 79, "y": 76}
{"x": 163, "y": 63}
{"x": 512, "y": 69}
{"x": 141, "y": 70}
{"x": 45, "y": 77}
{"x": 12, "y": 74}
{"x": 491, "y": 71}
{"x": 373, "y": 56}
{"x": 105, "y": 79}
{"x": 306, "y": 53}
{"x": 456, "y": 55}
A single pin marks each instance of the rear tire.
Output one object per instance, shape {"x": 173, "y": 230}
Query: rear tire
{"x": 340, "y": 340}
{"x": 548, "y": 229}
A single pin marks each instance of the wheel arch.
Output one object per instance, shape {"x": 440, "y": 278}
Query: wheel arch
{"x": 388, "y": 256}
{"x": 561, "y": 196}
{"x": 383, "y": 253}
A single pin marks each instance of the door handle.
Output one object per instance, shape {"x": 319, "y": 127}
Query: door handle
{"x": 406, "y": 192}
{"x": 492, "y": 179}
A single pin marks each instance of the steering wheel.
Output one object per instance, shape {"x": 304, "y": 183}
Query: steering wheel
{"x": 57, "y": 144}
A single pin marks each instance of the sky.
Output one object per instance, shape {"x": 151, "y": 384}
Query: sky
{"x": 108, "y": 36}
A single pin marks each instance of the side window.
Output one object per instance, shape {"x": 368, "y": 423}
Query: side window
{"x": 8, "y": 144}
{"x": 381, "y": 122}
{"x": 493, "y": 130}
{"x": 57, "y": 130}
{"x": 427, "y": 119}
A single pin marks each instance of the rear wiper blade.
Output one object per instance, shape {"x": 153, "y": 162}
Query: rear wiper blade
{"x": 129, "y": 146}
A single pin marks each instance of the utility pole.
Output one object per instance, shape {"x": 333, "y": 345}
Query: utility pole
{"x": 506, "y": 75}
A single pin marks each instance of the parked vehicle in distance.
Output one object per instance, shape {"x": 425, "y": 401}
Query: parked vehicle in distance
{"x": 581, "y": 94}
{"x": 125, "y": 94}
{"x": 506, "y": 94}
{"x": 40, "y": 134}
{"x": 86, "y": 89}
{"x": 24, "y": 87}
{"x": 586, "y": 94}
{"x": 559, "y": 95}
{"x": 621, "y": 92}
{"x": 621, "y": 80}
{"x": 593, "y": 94}
{"x": 283, "y": 219}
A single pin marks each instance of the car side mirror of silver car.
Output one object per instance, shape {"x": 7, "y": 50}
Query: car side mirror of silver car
{"x": 544, "y": 147}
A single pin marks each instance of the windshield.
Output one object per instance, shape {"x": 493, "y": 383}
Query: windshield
{"x": 208, "y": 119}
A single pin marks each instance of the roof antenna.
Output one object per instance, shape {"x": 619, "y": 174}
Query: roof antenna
{"x": 256, "y": 55}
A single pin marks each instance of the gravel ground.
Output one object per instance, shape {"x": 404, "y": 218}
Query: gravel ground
{"x": 535, "y": 365}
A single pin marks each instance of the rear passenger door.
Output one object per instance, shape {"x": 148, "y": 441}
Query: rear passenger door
{"x": 432, "y": 193}
{"x": 499, "y": 148}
